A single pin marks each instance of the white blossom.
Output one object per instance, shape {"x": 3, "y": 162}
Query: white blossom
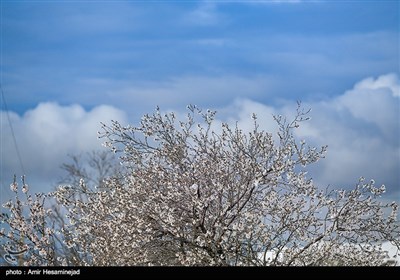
{"x": 188, "y": 195}
{"x": 14, "y": 187}
{"x": 25, "y": 188}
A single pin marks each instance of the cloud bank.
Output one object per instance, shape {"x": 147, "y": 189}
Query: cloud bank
{"x": 361, "y": 128}
{"x": 46, "y": 135}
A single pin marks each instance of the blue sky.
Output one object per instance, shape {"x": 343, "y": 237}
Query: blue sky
{"x": 67, "y": 65}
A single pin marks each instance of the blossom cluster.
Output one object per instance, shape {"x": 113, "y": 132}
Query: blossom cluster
{"x": 191, "y": 196}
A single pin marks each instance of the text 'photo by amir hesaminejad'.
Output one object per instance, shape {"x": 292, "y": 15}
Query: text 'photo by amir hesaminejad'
{"x": 190, "y": 190}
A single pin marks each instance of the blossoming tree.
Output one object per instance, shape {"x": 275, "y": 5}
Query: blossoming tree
{"x": 193, "y": 192}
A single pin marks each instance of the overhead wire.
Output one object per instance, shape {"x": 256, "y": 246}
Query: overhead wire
{"x": 4, "y": 102}
{"x": 12, "y": 130}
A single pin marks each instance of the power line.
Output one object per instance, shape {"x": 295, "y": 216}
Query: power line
{"x": 12, "y": 130}
{"x": 6, "y": 110}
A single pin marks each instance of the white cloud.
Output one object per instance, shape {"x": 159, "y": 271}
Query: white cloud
{"x": 205, "y": 14}
{"x": 389, "y": 82}
{"x": 241, "y": 111}
{"x": 394, "y": 253}
{"x": 47, "y": 134}
{"x": 361, "y": 128}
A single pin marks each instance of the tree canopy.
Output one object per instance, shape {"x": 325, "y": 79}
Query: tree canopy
{"x": 195, "y": 191}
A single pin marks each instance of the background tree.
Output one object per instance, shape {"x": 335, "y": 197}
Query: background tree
{"x": 93, "y": 167}
{"x": 196, "y": 192}
{"x": 84, "y": 175}
{"x": 30, "y": 218}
